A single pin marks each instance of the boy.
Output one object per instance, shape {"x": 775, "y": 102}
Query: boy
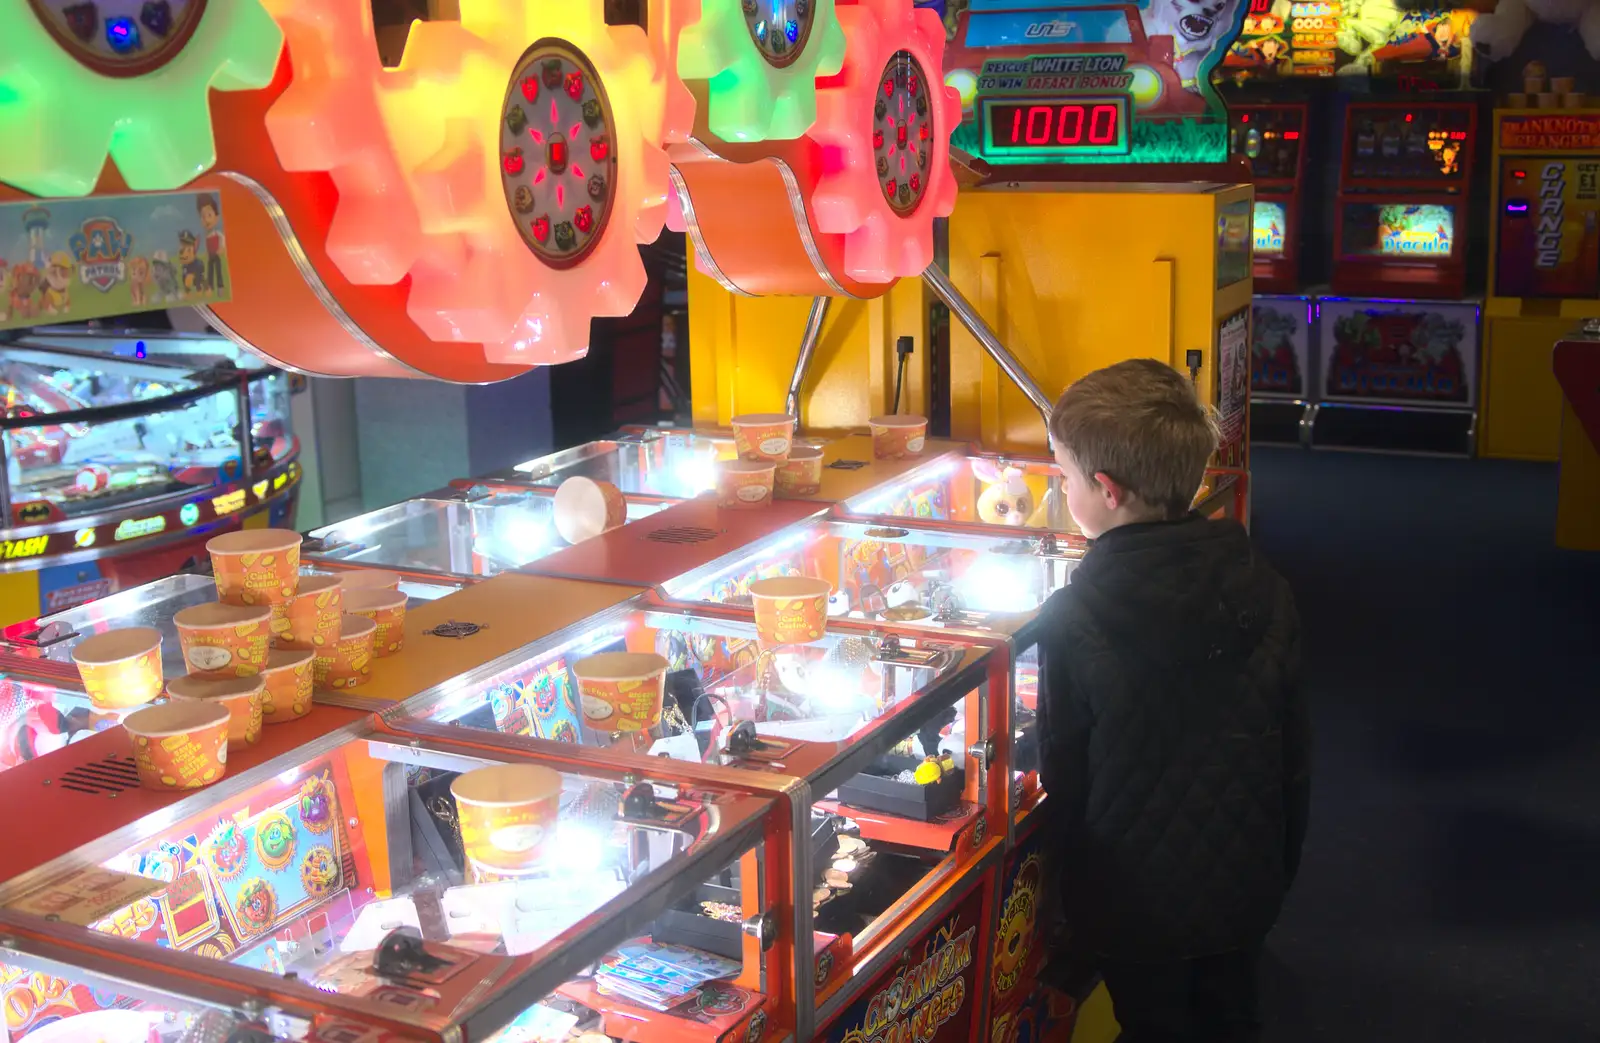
{"x": 1174, "y": 741}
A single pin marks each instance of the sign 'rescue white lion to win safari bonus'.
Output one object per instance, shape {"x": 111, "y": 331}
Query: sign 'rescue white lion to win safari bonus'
{"x": 1047, "y": 81}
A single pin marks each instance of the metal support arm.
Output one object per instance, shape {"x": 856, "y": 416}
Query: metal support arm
{"x": 808, "y": 347}
{"x": 968, "y": 316}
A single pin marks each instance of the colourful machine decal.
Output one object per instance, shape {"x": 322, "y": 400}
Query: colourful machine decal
{"x": 1548, "y": 214}
{"x": 1423, "y": 49}
{"x": 1048, "y": 81}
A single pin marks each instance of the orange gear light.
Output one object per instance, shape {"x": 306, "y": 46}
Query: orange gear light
{"x": 528, "y": 139}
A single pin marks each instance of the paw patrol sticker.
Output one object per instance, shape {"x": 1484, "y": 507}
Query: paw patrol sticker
{"x": 79, "y": 259}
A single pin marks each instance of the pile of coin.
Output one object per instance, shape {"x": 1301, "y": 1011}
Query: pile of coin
{"x": 850, "y": 857}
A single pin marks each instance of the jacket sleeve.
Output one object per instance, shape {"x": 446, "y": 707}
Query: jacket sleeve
{"x": 1064, "y": 721}
{"x": 1296, "y": 742}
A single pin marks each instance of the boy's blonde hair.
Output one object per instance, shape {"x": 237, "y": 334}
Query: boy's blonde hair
{"x": 1139, "y": 423}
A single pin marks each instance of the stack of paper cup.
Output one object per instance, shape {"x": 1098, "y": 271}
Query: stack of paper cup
{"x": 763, "y": 442}
{"x": 258, "y": 567}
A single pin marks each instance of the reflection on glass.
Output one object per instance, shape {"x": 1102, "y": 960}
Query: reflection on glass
{"x": 270, "y": 430}
{"x": 1013, "y": 494}
{"x": 481, "y": 537}
{"x": 87, "y": 468}
{"x": 909, "y": 577}
{"x": 673, "y": 466}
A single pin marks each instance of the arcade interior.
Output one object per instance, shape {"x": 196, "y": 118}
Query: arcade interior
{"x": 526, "y": 520}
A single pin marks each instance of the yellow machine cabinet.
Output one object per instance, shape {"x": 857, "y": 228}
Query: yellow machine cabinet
{"x": 1544, "y": 271}
{"x": 1073, "y": 277}
{"x": 745, "y": 348}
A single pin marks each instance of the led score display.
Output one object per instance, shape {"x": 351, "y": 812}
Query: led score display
{"x": 1052, "y": 127}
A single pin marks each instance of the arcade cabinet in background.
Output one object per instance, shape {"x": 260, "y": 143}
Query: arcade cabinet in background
{"x": 1544, "y": 271}
{"x": 1271, "y": 138}
{"x": 1403, "y": 190}
{"x": 1397, "y": 346}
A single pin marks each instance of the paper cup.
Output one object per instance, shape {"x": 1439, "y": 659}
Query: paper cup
{"x": 349, "y": 662}
{"x": 763, "y": 436}
{"x": 585, "y": 508}
{"x": 1516, "y": 101}
{"x": 745, "y": 484}
{"x": 257, "y": 567}
{"x": 120, "y": 668}
{"x": 179, "y": 745}
{"x": 1563, "y": 84}
{"x": 1549, "y": 100}
{"x": 1533, "y": 84}
{"x": 369, "y": 579}
{"x": 897, "y": 437}
{"x": 507, "y": 814}
{"x": 801, "y": 474}
{"x": 224, "y": 640}
{"x": 1574, "y": 101}
{"x": 621, "y": 691}
{"x": 241, "y": 696}
{"x": 386, "y": 608}
{"x": 790, "y": 610}
{"x": 312, "y": 614}
{"x": 289, "y": 676}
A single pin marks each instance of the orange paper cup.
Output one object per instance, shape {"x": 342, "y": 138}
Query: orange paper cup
{"x": 369, "y": 579}
{"x": 745, "y": 484}
{"x": 763, "y": 436}
{"x": 585, "y": 508}
{"x": 241, "y": 695}
{"x": 179, "y": 745}
{"x": 507, "y": 814}
{"x": 790, "y": 610}
{"x": 897, "y": 437}
{"x": 349, "y": 662}
{"x": 621, "y": 691}
{"x": 120, "y": 668}
{"x": 312, "y": 614}
{"x": 289, "y": 675}
{"x": 257, "y": 567}
{"x": 801, "y": 474}
{"x": 386, "y": 608}
{"x": 224, "y": 640}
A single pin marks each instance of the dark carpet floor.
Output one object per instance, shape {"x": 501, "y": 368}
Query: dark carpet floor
{"x": 1451, "y": 885}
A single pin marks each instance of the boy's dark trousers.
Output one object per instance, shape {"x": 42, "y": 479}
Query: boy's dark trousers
{"x": 1212, "y": 999}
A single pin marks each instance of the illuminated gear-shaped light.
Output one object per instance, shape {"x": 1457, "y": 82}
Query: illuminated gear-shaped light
{"x": 477, "y": 271}
{"x": 760, "y": 59}
{"x": 127, "y": 79}
{"x": 882, "y": 106}
{"x": 328, "y": 120}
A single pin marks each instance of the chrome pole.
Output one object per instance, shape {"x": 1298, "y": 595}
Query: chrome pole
{"x": 808, "y": 347}
{"x": 968, "y": 316}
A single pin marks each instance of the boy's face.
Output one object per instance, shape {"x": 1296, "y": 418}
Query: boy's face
{"x": 1091, "y": 500}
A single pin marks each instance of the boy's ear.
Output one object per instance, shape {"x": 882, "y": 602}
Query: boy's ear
{"x": 1115, "y": 495}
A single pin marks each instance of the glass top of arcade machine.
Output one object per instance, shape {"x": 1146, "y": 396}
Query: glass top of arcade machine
{"x": 178, "y": 429}
{"x": 857, "y": 716}
{"x": 674, "y": 465}
{"x": 900, "y": 575}
{"x": 1004, "y": 492}
{"x": 461, "y": 537}
{"x": 355, "y": 874}
{"x": 39, "y": 649}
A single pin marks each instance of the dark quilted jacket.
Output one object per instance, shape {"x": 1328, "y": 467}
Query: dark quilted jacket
{"x": 1175, "y": 742}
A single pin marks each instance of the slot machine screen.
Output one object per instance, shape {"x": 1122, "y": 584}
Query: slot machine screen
{"x": 1399, "y": 230}
{"x": 1269, "y": 223}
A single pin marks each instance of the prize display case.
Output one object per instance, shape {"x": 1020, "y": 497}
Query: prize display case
{"x": 460, "y": 534}
{"x": 343, "y": 886}
{"x": 998, "y": 493}
{"x": 884, "y": 742}
{"x": 122, "y": 456}
{"x": 922, "y": 580}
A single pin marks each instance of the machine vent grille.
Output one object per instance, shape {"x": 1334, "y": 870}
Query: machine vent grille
{"x": 112, "y": 775}
{"x": 681, "y": 534}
